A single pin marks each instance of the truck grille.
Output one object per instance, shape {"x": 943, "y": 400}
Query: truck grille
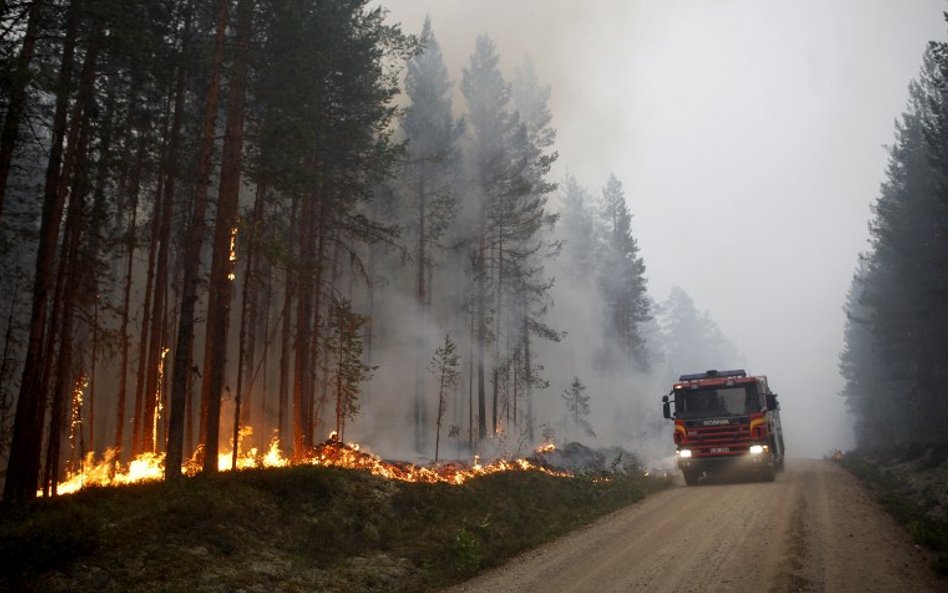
{"x": 718, "y": 440}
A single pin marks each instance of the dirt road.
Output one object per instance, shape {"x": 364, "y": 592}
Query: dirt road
{"x": 813, "y": 530}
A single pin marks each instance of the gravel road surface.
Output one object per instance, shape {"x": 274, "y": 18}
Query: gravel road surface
{"x": 813, "y": 530}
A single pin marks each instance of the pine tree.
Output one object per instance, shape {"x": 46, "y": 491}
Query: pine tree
{"x": 491, "y": 125}
{"x": 532, "y": 239}
{"x": 347, "y": 371}
{"x": 429, "y": 177}
{"x": 510, "y": 162}
{"x": 578, "y": 232}
{"x": 444, "y": 365}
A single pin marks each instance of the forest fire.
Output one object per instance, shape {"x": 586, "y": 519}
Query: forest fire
{"x": 331, "y": 453}
{"x": 545, "y": 448}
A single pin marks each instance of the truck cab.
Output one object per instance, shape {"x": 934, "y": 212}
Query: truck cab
{"x": 725, "y": 420}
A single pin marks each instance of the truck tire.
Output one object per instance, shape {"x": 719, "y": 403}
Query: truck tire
{"x": 691, "y": 476}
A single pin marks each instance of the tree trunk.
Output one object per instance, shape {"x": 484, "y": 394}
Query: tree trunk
{"x": 127, "y": 299}
{"x": 528, "y": 374}
{"x": 248, "y": 316}
{"x": 470, "y": 385}
{"x": 5, "y": 403}
{"x": 334, "y": 274}
{"x": 150, "y": 352}
{"x": 192, "y": 258}
{"x": 289, "y": 295}
{"x": 68, "y": 276}
{"x": 98, "y": 224}
{"x": 66, "y": 294}
{"x": 223, "y": 252}
{"x": 24, "y": 465}
{"x": 481, "y": 306}
{"x": 497, "y": 313}
{"x": 421, "y": 347}
{"x": 302, "y": 369}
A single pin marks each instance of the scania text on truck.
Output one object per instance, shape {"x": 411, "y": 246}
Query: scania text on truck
{"x": 725, "y": 420}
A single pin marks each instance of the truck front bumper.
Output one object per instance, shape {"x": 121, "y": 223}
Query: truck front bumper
{"x": 752, "y": 458}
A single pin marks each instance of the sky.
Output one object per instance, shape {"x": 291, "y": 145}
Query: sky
{"x": 750, "y": 138}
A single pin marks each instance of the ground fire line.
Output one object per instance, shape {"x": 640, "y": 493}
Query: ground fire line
{"x": 331, "y": 453}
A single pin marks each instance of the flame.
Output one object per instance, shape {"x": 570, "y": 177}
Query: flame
{"x": 332, "y": 453}
{"x": 335, "y": 454}
{"x": 232, "y": 256}
{"x": 545, "y": 448}
{"x": 75, "y": 419}
{"x": 159, "y": 406}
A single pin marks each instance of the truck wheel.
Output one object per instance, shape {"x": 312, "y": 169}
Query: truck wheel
{"x": 691, "y": 476}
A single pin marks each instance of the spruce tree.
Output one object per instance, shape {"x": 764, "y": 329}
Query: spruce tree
{"x": 894, "y": 356}
{"x": 622, "y": 281}
{"x": 577, "y": 408}
{"x": 692, "y": 340}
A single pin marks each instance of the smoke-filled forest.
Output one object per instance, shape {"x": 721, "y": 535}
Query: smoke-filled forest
{"x": 227, "y": 224}
{"x": 894, "y": 360}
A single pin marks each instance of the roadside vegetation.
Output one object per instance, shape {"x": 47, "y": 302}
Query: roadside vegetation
{"x": 296, "y": 529}
{"x": 911, "y": 483}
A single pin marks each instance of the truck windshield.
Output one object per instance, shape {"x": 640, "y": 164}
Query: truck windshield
{"x": 723, "y": 401}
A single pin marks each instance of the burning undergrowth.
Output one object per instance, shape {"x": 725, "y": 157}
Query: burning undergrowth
{"x": 573, "y": 459}
{"x": 319, "y": 526}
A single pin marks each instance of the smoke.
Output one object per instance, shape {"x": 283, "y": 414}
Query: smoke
{"x": 749, "y": 138}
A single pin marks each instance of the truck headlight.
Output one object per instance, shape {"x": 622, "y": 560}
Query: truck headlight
{"x": 685, "y": 453}
{"x": 756, "y": 449}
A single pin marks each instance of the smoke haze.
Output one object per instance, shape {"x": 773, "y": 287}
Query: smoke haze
{"x": 749, "y": 138}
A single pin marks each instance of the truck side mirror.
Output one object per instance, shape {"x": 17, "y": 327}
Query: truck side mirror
{"x": 666, "y": 408}
{"x": 772, "y": 402}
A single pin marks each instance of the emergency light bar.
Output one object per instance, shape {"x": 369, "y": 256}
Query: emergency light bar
{"x": 713, "y": 373}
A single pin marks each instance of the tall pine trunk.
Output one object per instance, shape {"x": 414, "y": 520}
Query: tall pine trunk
{"x": 528, "y": 375}
{"x": 289, "y": 296}
{"x": 223, "y": 251}
{"x": 122, "y": 395}
{"x": 67, "y": 293}
{"x": 184, "y": 343}
{"x": 25, "y": 448}
{"x": 498, "y": 296}
{"x": 248, "y": 317}
{"x": 481, "y": 311}
{"x": 303, "y": 369}
{"x": 421, "y": 346}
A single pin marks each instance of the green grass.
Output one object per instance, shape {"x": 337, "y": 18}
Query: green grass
{"x": 297, "y": 529}
{"x": 925, "y": 530}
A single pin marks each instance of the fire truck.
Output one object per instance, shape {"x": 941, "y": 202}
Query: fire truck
{"x": 725, "y": 420}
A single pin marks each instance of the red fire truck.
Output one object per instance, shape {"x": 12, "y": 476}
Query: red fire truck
{"x": 725, "y": 419}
